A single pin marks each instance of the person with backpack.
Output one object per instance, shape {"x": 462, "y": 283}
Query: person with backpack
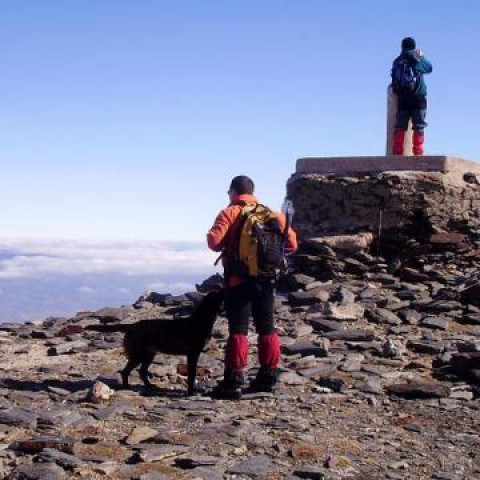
{"x": 253, "y": 240}
{"x": 409, "y": 85}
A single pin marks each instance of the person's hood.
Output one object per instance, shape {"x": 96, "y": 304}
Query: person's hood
{"x": 244, "y": 199}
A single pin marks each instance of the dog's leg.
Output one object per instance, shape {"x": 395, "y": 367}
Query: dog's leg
{"x": 144, "y": 373}
{"x": 125, "y": 373}
{"x": 192, "y": 361}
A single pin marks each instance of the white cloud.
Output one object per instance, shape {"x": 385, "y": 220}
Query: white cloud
{"x": 86, "y": 289}
{"x": 34, "y": 259}
{"x": 169, "y": 286}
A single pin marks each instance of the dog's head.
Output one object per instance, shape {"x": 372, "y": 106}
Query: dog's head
{"x": 214, "y": 297}
{"x": 211, "y": 303}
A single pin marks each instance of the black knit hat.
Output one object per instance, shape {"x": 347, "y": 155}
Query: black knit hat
{"x": 242, "y": 185}
{"x": 408, "y": 43}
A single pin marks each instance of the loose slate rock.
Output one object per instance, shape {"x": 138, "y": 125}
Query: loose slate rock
{"x": 254, "y": 466}
{"x": 18, "y": 417}
{"x": 347, "y": 312}
{"x": 38, "y": 472}
{"x": 140, "y": 434}
{"x": 68, "y": 348}
{"x": 188, "y": 463}
{"x": 65, "y": 460}
{"x": 351, "y": 335}
{"x": 323, "y": 325}
{"x": 425, "y": 346}
{"x": 304, "y": 349}
{"x": 34, "y": 445}
{"x": 419, "y": 389}
{"x": 436, "y": 323}
{"x": 311, "y": 472}
{"x": 383, "y": 316}
{"x": 467, "y": 365}
{"x": 310, "y": 297}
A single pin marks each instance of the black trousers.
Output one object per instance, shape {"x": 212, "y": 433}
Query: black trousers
{"x": 250, "y": 298}
{"x": 411, "y": 108}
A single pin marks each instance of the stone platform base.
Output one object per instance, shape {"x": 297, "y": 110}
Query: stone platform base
{"x": 355, "y": 194}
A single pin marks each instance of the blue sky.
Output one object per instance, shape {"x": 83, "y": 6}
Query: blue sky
{"x": 126, "y": 119}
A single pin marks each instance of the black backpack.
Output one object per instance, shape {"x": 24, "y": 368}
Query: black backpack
{"x": 261, "y": 245}
{"x": 404, "y": 77}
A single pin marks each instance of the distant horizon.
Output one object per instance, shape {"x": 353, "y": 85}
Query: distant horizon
{"x": 41, "y": 278}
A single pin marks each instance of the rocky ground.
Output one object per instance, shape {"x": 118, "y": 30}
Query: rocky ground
{"x": 380, "y": 380}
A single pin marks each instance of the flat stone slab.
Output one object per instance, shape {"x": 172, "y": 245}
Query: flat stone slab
{"x": 344, "y": 165}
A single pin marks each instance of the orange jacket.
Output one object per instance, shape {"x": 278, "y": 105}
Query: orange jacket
{"x": 224, "y": 232}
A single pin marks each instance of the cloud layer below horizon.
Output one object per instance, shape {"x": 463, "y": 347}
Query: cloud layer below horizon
{"x": 59, "y": 277}
{"x": 32, "y": 259}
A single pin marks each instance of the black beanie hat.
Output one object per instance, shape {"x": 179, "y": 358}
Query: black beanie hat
{"x": 408, "y": 43}
{"x": 242, "y": 185}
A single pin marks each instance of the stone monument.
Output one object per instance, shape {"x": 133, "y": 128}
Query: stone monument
{"x": 392, "y": 105}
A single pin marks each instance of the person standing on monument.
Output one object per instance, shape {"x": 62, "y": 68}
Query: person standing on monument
{"x": 409, "y": 85}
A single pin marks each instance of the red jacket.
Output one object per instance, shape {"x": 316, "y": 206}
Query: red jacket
{"x": 223, "y": 235}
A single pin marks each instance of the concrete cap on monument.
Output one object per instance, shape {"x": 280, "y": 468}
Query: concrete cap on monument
{"x": 376, "y": 164}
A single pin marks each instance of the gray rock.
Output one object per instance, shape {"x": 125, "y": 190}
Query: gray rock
{"x": 65, "y": 460}
{"x": 419, "y": 389}
{"x": 157, "y": 453}
{"x": 352, "y": 363}
{"x": 392, "y": 349}
{"x": 436, "y": 323}
{"x": 35, "y": 445}
{"x": 154, "y": 476}
{"x": 255, "y": 466}
{"x": 344, "y": 312}
{"x": 429, "y": 347}
{"x": 68, "y": 348}
{"x": 323, "y": 325}
{"x": 317, "y": 372}
{"x": 310, "y": 472}
{"x": 208, "y": 473}
{"x": 196, "y": 461}
{"x": 351, "y": 335}
{"x": 18, "y": 417}
{"x": 291, "y": 378}
{"x": 305, "y": 348}
{"x": 383, "y": 316}
{"x": 38, "y": 472}
{"x": 309, "y": 297}
{"x": 298, "y": 280}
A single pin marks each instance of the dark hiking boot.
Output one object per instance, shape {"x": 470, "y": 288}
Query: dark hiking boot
{"x": 230, "y": 388}
{"x": 265, "y": 381}
{"x": 225, "y": 391}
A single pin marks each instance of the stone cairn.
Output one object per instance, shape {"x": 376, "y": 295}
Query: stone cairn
{"x": 379, "y": 319}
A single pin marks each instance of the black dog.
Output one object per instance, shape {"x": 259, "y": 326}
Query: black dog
{"x": 185, "y": 336}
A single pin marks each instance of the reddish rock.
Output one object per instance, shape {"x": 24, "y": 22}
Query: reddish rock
{"x": 34, "y": 445}
{"x": 447, "y": 239}
{"x": 69, "y": 330}
{"x": 419, "y": 389}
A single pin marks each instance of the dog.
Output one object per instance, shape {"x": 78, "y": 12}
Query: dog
{"x": 185, "y": 336}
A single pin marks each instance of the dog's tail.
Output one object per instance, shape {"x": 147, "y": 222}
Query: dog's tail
{"x": 119, "y": 327}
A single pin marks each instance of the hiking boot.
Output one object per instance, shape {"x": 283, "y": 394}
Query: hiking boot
{"x": 265, "y": 381}
{"x": 230, "y": 388}
{"x": 225, "y": 391}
